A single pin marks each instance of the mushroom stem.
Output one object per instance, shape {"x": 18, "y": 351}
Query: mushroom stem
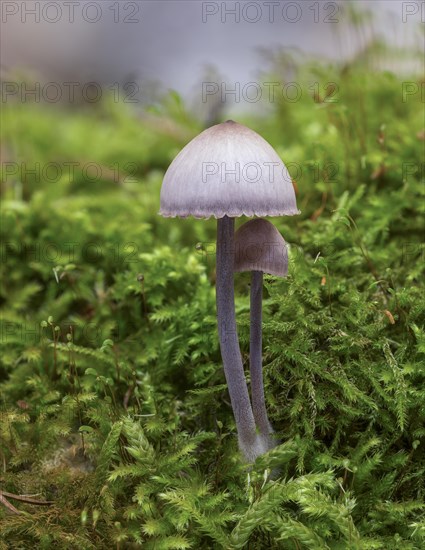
{"x": 249, "y": 442}
{"x": 255, "y": 355}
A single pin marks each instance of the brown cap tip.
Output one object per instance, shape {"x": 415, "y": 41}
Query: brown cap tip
{"x": 260, "y": 247}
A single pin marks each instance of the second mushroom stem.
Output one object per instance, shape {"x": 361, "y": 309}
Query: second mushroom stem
{"x": 256, "y": 362}
{"x": 229, "y": 343}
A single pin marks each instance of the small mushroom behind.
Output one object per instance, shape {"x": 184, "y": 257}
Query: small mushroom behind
{"x": 259, "y": 248}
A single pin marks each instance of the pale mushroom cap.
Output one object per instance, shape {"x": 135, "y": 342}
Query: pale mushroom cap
{"x": 227, "y": 170}
{"x": 260, "y": 247}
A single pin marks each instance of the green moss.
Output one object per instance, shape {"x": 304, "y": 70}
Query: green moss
{"x": 120, "y": 415}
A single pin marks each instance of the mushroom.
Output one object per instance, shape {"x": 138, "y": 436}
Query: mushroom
{"x": 228, "y": 171}
{"x": 259, "y": 248}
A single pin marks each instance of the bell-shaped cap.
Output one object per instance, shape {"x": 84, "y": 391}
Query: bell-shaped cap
{"x": 260, "y": 247}
{"x": 227, "y": 170}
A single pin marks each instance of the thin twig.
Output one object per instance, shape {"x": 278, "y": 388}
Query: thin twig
{"x": 27, "y": 499}
{"x": 7, "y": 504}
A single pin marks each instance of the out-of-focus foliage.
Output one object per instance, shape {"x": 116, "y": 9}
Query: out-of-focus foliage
{"x": 113, "y": 399}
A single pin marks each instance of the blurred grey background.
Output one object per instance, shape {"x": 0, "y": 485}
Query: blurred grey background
{"x": 178, "y": 44}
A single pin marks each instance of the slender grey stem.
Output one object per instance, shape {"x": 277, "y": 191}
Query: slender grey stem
{"x": 249, "y": 443}
{"x": 256, "y": 361}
